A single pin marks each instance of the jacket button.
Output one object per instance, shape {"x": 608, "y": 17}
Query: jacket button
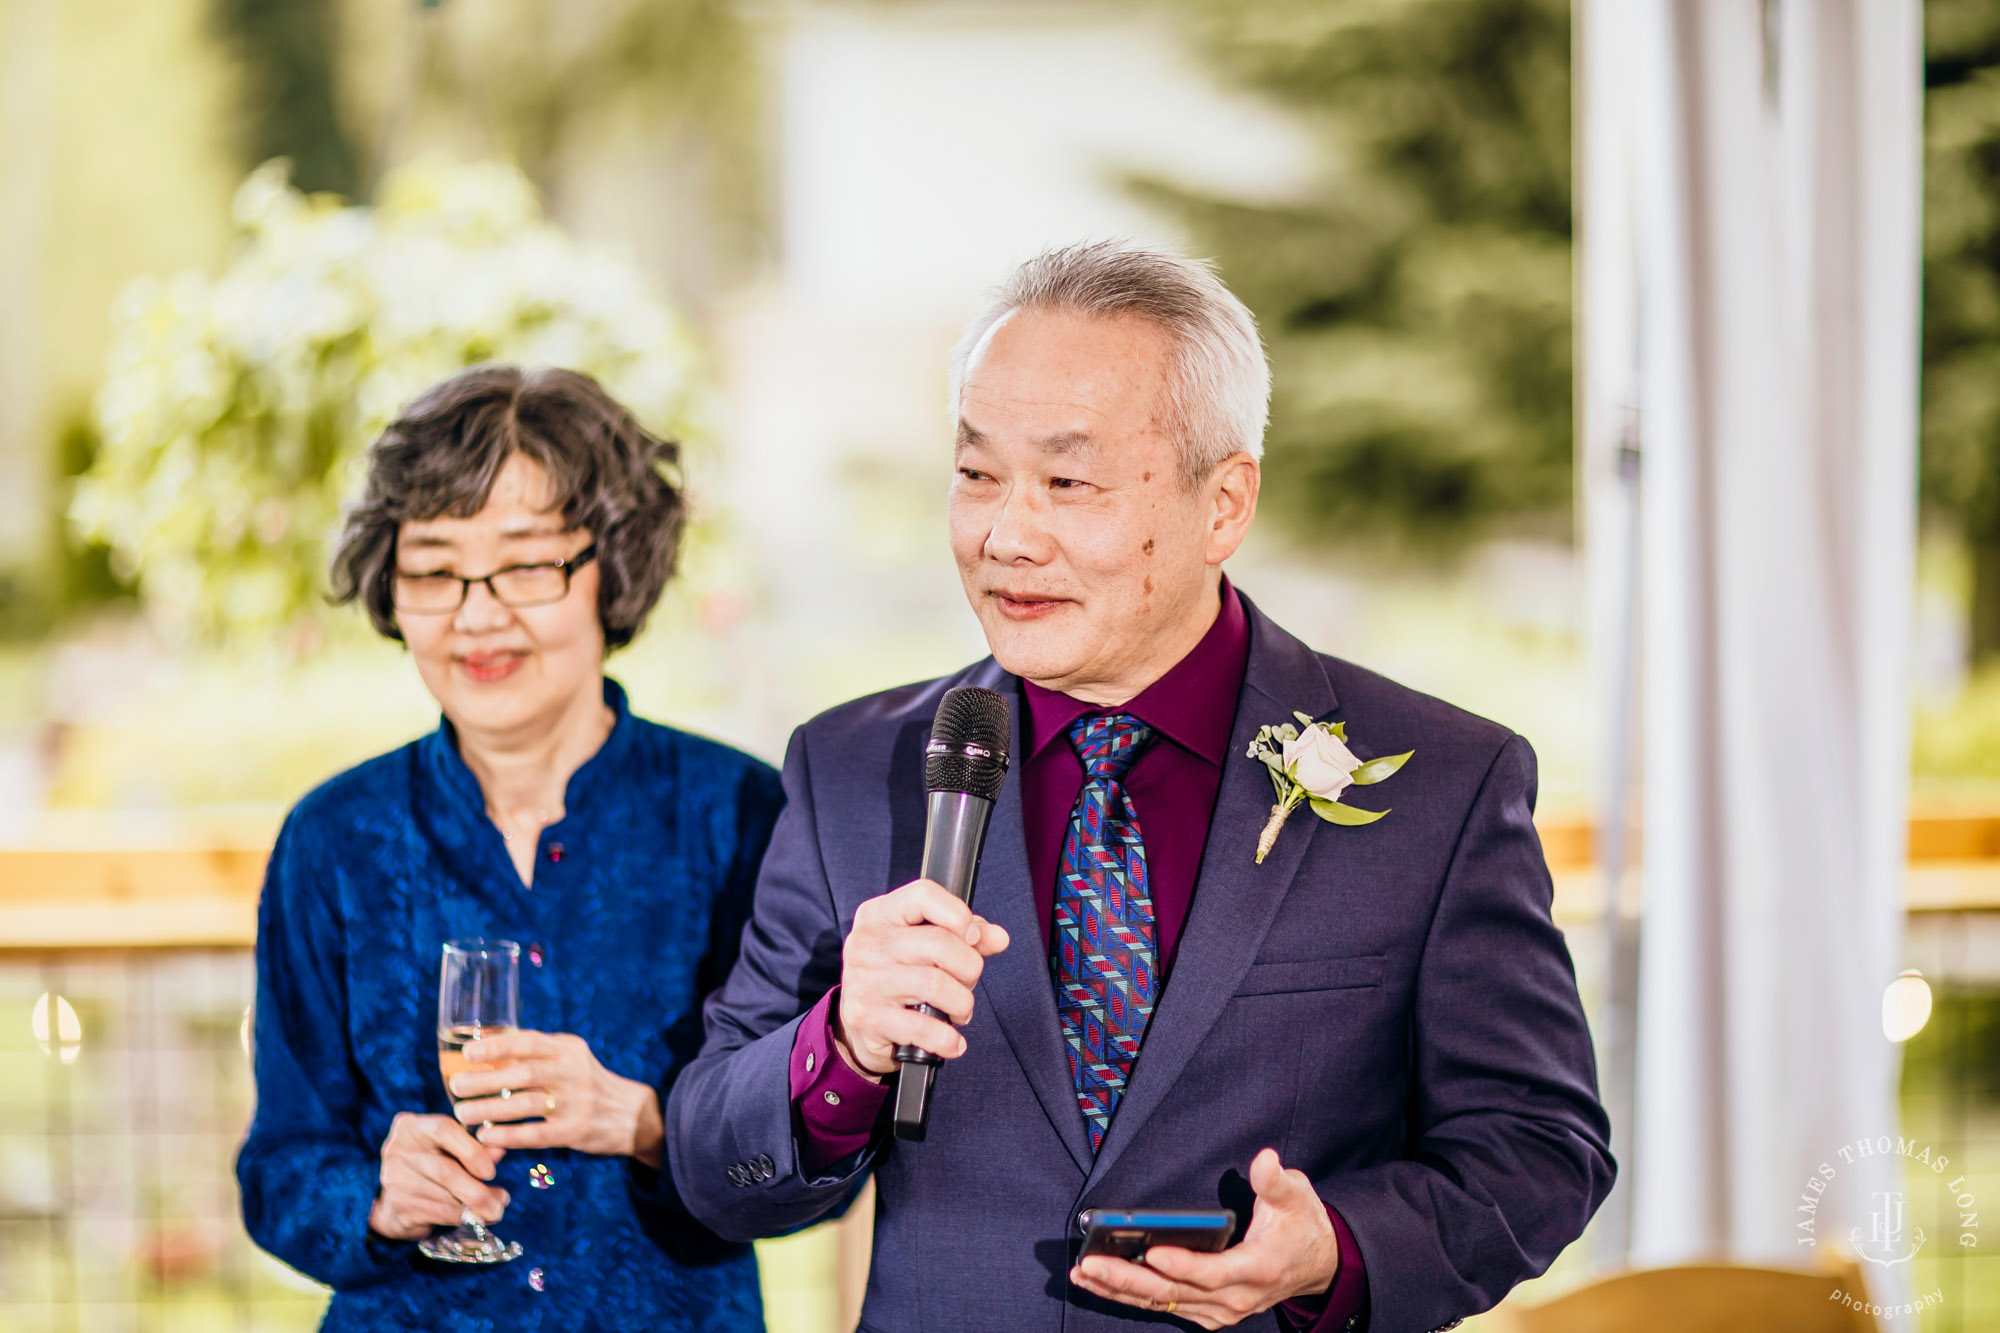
{"x": 766, "y": 1168}
{"x": 736, "y": 1176}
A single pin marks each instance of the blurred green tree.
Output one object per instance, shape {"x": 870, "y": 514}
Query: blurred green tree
{"x": 543, "y": 83}
{"x": 349, "y": 89}
{"x": 1961, "y": 321}
{"x": 1415, "y": 297}
{"x": 236, "y": 411}
{"x": 286, "y": 52}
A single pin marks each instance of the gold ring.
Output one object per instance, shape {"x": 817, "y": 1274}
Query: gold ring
{"x": 1173, "y": 1306}
{"x": 548, "y": 1104}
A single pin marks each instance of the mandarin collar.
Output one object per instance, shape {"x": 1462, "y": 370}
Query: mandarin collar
{"x": 1193, "y": 704}
{"x": 452, "y": 773}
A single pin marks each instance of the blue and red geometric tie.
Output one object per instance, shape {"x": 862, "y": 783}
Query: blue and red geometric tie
{"x": 1104, "y": 948}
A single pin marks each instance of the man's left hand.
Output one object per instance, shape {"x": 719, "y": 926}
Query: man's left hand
{"x": 1288, "y": 1251}
{"x": 553, "y": 1080}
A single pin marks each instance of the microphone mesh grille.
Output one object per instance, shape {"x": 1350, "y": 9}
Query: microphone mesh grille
{"x": 969, "y": 715}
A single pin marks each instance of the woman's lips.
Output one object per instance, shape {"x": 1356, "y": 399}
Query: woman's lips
{"x": 489, "y": 667}
{"x": 1027, "y": 608}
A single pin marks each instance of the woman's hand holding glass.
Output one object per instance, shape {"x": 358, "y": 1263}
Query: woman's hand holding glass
{"x": 552, "y": 1080}
{"x": 432, "y": 1172}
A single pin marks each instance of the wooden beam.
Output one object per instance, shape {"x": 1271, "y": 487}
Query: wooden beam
{"x": 205, "y": 893}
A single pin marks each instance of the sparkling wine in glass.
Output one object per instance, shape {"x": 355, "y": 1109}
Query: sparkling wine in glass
{"x": 479, "y": 995}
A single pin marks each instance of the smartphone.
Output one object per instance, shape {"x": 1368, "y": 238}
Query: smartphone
{"x": 1128, "y": 1235}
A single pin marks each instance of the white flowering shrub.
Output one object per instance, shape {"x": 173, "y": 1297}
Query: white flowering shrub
{"x": 236, "y": 411}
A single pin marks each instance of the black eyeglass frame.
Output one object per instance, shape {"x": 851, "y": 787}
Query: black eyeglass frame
{"x": 568, "y": 568}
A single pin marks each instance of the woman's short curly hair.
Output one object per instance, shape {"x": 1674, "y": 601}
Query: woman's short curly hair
{"x": 440, "y": 457}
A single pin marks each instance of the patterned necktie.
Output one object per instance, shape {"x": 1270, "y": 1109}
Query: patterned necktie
{"x": 1103, "y": 949}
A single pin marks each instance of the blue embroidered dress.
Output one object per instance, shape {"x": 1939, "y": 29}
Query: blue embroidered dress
{"x": 639, "y": 896}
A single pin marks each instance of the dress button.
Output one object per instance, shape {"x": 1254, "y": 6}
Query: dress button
{"x": 536, "y": 1280}
{"x": 540, "y": 1176}
{"x": 832, "y": 1097}
{"x": 809, "y": 1062}
{"x": 556, "y": 852}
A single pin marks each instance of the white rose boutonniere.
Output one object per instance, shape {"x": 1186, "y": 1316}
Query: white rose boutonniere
{"x": 1311, "y": 763}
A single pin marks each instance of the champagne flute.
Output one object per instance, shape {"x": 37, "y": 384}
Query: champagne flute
{"x": 479, "y": 995}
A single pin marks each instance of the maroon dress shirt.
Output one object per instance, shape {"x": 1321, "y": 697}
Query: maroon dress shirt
{"x": 1173, "y": 785}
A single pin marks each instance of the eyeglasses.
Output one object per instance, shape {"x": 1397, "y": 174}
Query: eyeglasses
{"x": 517, "y": 585}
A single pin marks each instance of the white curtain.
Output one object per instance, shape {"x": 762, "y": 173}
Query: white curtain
{"x": 1751, "y": 201}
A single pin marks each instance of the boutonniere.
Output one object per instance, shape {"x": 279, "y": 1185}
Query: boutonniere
{"x": 1315, "y": 766}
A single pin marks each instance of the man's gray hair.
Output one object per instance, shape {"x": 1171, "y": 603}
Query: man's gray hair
{"x": 1220, "y": 386}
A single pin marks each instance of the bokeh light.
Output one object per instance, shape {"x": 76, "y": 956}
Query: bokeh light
{"x": 1906, "y": 1006}
{"x": 67, "y": 1028}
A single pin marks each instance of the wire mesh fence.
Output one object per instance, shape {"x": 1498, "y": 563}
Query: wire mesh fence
{"x": 125, "y": 1088}
{"x": 124, "y": 1091}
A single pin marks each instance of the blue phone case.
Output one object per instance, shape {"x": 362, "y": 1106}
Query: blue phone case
{"x": 1127, "y": 1235}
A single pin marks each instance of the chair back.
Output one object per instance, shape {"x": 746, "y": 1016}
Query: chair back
{"x": 1708, "y": 1298}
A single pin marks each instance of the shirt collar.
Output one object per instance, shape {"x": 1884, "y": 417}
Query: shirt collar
{"x": 451, "y": 772}
{"x": 1193, "y": 705}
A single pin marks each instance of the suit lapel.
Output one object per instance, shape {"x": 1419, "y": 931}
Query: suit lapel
{"x": 1016, "y": 982}
{"x": 1235, "y": 899}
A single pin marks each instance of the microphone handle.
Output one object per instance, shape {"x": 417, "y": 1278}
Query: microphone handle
{"x": 954, "y": 831}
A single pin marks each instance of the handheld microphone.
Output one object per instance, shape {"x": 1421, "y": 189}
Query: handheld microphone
{"x": 964, "y": 765}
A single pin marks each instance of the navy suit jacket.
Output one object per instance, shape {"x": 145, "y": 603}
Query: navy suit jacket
{"x": 1389, "y": 1006}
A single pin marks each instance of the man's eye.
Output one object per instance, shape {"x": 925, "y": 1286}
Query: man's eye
{"x": 1065, "y": 483}
{"x": 971, "y": 474}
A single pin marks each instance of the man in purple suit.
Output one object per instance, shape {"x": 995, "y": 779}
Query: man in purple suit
{"x": 1361, "y": 1033}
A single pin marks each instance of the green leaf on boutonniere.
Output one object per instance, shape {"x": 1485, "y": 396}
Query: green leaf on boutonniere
{"x": 1333, "y": 812}
{"x": 1339, "y": 729}
{"x": 1304, "y": 721}
{"x": 1278, "y": 781}
{"x": 1376, "y": 769}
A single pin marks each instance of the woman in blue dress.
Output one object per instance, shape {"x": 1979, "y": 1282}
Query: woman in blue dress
{"x": 514, "y": 528}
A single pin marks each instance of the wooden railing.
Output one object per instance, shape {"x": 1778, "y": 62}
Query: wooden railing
{"x": 73, "y": 888}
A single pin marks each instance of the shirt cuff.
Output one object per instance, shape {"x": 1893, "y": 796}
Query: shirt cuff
{"x": 836, "y": 1108}
{"x": 1342, "y": 1307}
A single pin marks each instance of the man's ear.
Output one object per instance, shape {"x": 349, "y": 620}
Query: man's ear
{"x": 1231, "y": 492}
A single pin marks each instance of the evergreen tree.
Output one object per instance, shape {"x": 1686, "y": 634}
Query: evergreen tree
{"x": 1961, "y": 329}
{"x": 285, "y": 50}
{"x": 1416, "y": 298}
